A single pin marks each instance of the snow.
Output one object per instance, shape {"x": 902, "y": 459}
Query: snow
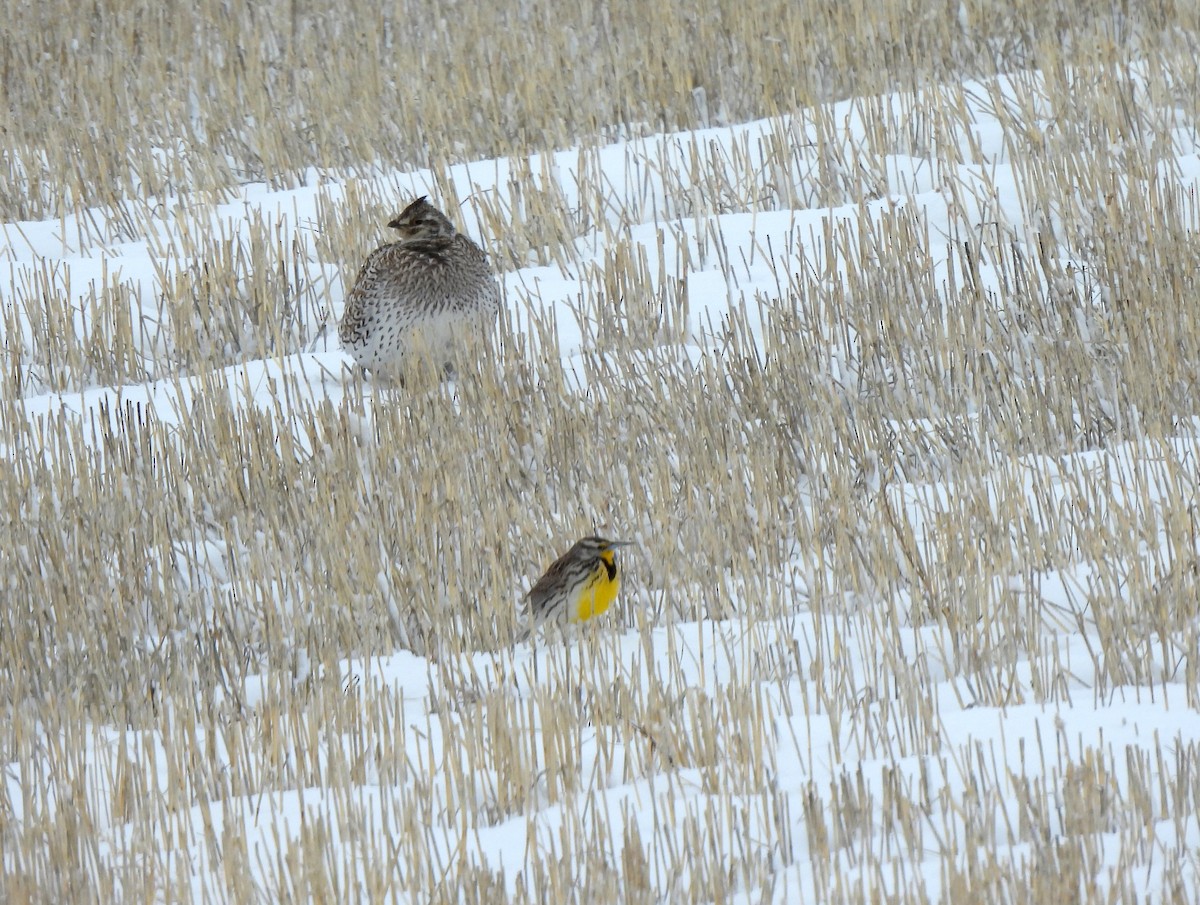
{"x": 987, "y": 751}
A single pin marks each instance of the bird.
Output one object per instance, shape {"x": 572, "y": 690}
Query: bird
{"x": 579, "y": 585}
{"x": 419, "y": 298}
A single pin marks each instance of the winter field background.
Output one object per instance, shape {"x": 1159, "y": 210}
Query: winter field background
{"x": 873, "y": 324}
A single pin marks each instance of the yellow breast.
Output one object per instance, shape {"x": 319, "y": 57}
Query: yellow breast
{"x": 600, "y": 591}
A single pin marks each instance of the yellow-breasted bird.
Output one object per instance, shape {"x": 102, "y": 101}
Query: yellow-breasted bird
{"x": 579, "y": 585}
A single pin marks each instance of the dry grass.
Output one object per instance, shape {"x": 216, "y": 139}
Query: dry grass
{"x": 154, "y": 564}
{"x": 145, "y": 101}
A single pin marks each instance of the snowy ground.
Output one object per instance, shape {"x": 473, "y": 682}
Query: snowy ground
{"x": 1029, "y": 752}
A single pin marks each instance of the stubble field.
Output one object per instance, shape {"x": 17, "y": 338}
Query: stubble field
{"x": 872, "y": 324}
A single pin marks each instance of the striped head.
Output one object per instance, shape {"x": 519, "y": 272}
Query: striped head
{"x": 421, "y": 222}
{"x": 595, "y": 547}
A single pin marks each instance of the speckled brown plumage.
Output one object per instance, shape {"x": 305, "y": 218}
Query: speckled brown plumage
{"x": 419, "y": 297}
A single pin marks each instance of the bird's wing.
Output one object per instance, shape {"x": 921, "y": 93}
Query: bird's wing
{"x": 375, "y": 269}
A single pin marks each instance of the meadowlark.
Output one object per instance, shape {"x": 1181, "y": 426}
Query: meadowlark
{"x": 419, "y": 298}
{"x": 579, "y": 585}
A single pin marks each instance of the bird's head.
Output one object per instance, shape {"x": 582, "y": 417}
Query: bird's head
{"x": 423, "y": 222}
{"x": 602, "y": 547}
